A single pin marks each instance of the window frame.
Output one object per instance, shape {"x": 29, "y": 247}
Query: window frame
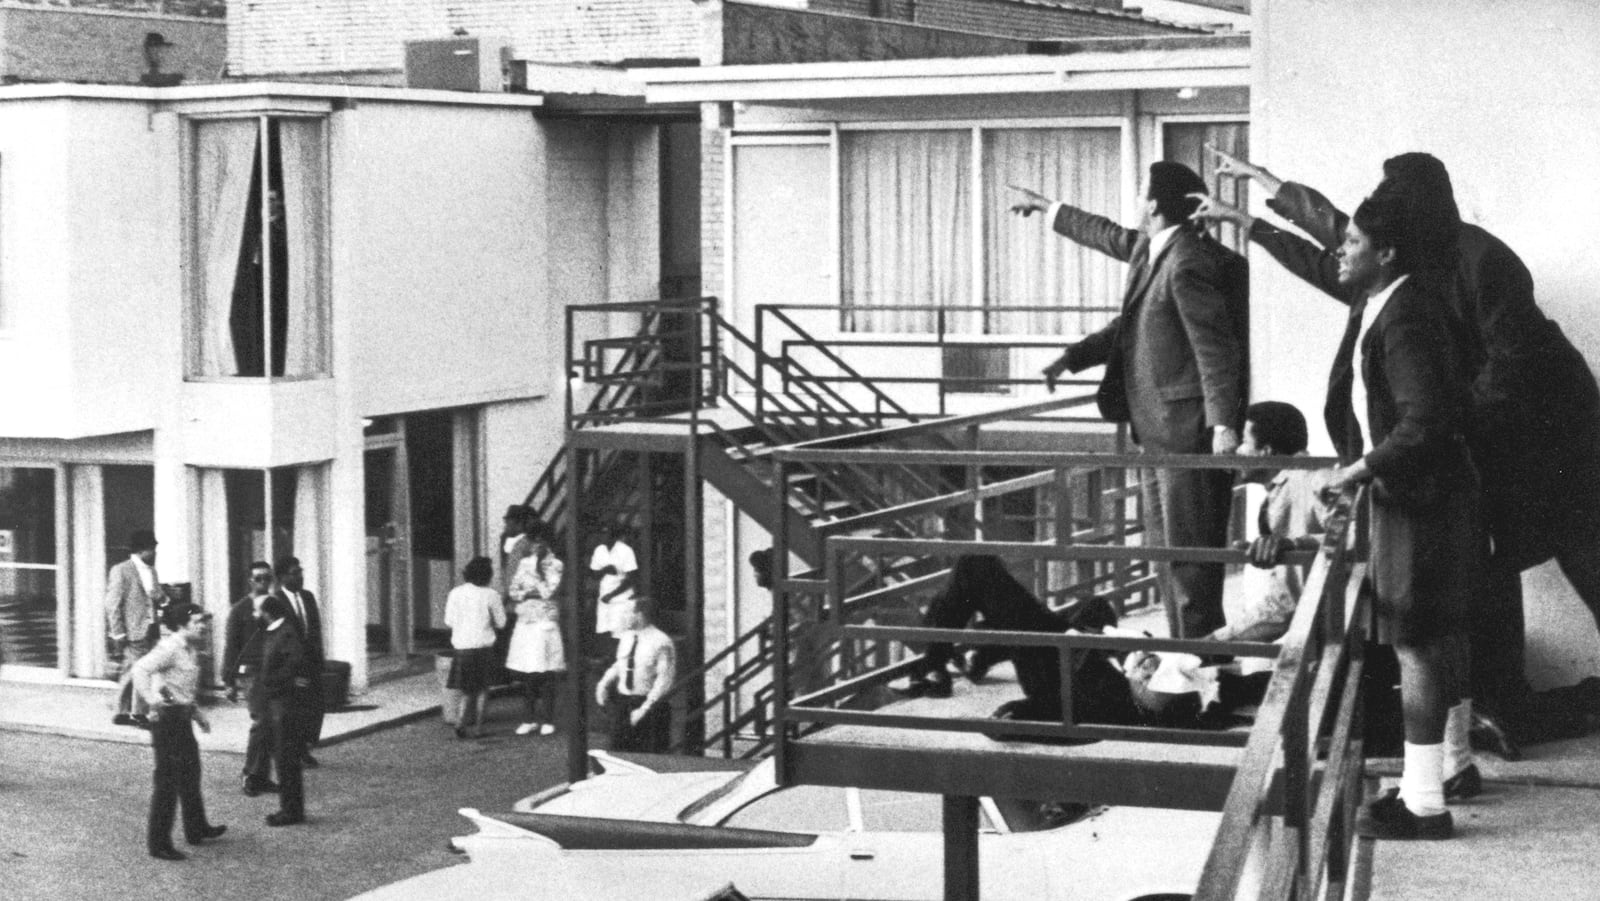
{"x": 263, "y": 114}
{"x": 63, "y": 576}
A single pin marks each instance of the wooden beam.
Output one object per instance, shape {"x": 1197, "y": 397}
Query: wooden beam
{"x": 960, "y": 848}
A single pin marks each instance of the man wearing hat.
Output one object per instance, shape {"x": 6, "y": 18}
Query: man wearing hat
{"x": 1176, "y": 365}
{"x": 133, "y": 599}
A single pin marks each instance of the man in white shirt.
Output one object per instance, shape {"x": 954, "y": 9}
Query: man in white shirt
{"x": 134, "y": 598}
{"x": 618, "y": 568}
{"x": 634, "y": 686}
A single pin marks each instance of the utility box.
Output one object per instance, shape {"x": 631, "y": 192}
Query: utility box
{"x": 462, "y": 63}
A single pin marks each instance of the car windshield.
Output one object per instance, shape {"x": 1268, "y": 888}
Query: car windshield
{"x": 1023, "y": 815}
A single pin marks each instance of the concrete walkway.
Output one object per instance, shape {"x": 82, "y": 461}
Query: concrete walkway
{"x": 84, "y": 710}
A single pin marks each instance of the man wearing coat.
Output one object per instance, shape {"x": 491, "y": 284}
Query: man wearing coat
{"x": 134, "y": 598}
{"x": 1176, "y": 365}
{"x": 308, "y": 619}
{"x": 278, "y": 694}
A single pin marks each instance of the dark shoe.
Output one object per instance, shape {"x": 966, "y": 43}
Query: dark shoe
{"x": 168, "y": 854}
{"x": 309, "y": 762}
{"x": 460, "y": 732}
{"x": 1489, "y": 734}
{"x": 209, "y": 832}
{"x": 140, "y": 720}
{"x": 122, "y": 719}
{"x": 1389, "y": 818}
{"x": 282, "y": 819}
{"x": 1466, "y": 784}
{"x": 253, "y": 787}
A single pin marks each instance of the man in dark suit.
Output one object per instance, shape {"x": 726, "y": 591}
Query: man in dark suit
{"x": 134, "y": 598}
{"x": 308, "y": 618}
{"x": 241, "y": 668}
{"x": 279, "y": 694}
{"x": 1176, "y": 365}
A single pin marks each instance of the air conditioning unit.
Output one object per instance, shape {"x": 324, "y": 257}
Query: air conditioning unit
{"x": 462, "y": 63}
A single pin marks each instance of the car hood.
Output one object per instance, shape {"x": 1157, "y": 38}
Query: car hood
{"x": 651, "y": 797}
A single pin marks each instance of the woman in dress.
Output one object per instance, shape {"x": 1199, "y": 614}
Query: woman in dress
{"x": 535, "y": 655}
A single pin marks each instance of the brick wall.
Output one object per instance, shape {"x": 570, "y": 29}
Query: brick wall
{"x": 53, "y": 43}
{"x": 1028, "y": 19}
{"x": 306, "y": 36}
{"x": 768, "y": 34}
{"x": 208, "y": 9}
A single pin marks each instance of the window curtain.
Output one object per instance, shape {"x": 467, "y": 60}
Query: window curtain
{"x": 907, "y": 228}
{"x": 308, "y": 521}
{"x": 224, "y": 157}
{"x": 215, "y": 574}
{"x": 89, "y": 565}
{"x": 1185, "y": 142}
{"x": 306, "y": 344}
{"x": 1029, "y": 265}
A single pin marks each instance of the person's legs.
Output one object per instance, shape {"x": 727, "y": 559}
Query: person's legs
{"x": 187, "y": 760}
{"x": 258, "y": 749}
{"x": 1194, "y": 510}
{"x": 164, "y": 788}
{"x": 287, "y": 751}
{"x": 129, "y": 702}
{"x": 1429, "y": 674}
{"x": 1497, "y": 639}
{"x": 480, "y": 700}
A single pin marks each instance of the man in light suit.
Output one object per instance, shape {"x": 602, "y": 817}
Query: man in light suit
{"x": 307, "y": 616}
{"x": 133, "y": 600}
{"x": 1176, "y": 365}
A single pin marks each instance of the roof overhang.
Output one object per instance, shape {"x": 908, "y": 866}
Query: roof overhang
{"x": 1227, "y": 64}
{"x": 261, "y": 91}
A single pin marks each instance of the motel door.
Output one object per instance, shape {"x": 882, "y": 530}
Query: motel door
{"x": 390, "y": 626}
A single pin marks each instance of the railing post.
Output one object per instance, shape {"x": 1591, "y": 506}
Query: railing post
{"x": 761, "y": 364}
{"x": 780, "y": 612}
{"x": 578, "y": 729}
{"x": 960, "y": 848}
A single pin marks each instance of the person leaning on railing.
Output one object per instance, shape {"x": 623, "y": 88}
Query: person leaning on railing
{"x": 1396, "y": 410}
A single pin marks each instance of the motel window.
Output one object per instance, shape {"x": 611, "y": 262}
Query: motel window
{"x": 925, "y": 222}
{"x": 29, "y": 563}
{"x": 258, "y": 296}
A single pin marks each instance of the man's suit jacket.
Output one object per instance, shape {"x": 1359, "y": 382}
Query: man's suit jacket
{"x": 130, "y": 610}
{"x": 312, "y": 628}
{"x": 242, "y": 641}
{"x": 1177, "y": 357}
{"x": 283, "y": 661}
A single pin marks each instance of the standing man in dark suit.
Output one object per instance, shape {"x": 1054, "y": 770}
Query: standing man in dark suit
{"x": 308, "y": 618}
{"x": 133, "y": 600}
{"x": 1176, "y": 365}
{"x": 241, "y": 667}
{"x": 279, "y": 693}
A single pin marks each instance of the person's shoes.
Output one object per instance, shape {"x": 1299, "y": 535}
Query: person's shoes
{"x": 526, "y": 728}
{"x": 547, "y": 729}
{"x": 1489, "y": 734}
{"x": 253, "y": 787}
{"x": 122, "y": 719}
{"x": 1466, "y": 784}
{"x": 283, "y": 819}
{"x": 140, "y": 720}
{"x": 207, "y": 833}
{"x": 1388, "y": 817}
{"x": 168, "y": 854}
{"x": 977, "y": 666}
{"x": 309, "y": 762}
{"x": 460, "y": 732}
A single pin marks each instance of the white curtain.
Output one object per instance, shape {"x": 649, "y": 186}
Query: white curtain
{"x": 214, "y": 583}
{"x": 224, "y": 155}
{"x": 89, "y": 565}
{"x": 1185, "y": 142}
{"x": 300, "y": 146}
{"x": 308, "y": 520}
{"x": 907, "y": 228}
{"x": 1029, "y": 265}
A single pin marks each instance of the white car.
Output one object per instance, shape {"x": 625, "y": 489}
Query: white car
{"x": 631, "y": 832}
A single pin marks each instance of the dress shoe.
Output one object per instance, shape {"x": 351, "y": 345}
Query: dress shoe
{"x": 253, "y": 787}
{"x": 122, "y": 719}
{"x": 547, "y": 729}
{"x": 1466, "y": 784}
{"x": 1389, "y": 818}
{"x": 526, "y": 728}
{"x": 207, "y": 833}
{"x": 309, "y": 762}
{"x": 140, "y": 720}
{"x": 1489, "y": 734}
{"x": 168, "y": 854}
{"x": 283, "y": 819}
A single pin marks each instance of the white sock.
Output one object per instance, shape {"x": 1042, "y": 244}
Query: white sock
{"x": 1421, "y": 781}
{"x": 1457, "y": 738}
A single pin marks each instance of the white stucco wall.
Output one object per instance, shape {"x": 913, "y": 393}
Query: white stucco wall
{"x": 1507, "y": 94}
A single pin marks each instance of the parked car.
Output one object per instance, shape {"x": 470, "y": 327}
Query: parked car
{"x": 632, "y": 832}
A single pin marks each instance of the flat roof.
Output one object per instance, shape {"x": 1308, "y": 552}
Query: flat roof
{"x": 234, "y": 90}
{"x": 1152, "y": 64}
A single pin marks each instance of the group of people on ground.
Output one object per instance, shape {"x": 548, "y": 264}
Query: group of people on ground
{"x": 1469, "y": 416}
{"x": 519, "y": 628}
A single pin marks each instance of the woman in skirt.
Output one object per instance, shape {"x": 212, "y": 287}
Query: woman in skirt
{"x": 473, "y": 612}
{"x": 535, "y": 655}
